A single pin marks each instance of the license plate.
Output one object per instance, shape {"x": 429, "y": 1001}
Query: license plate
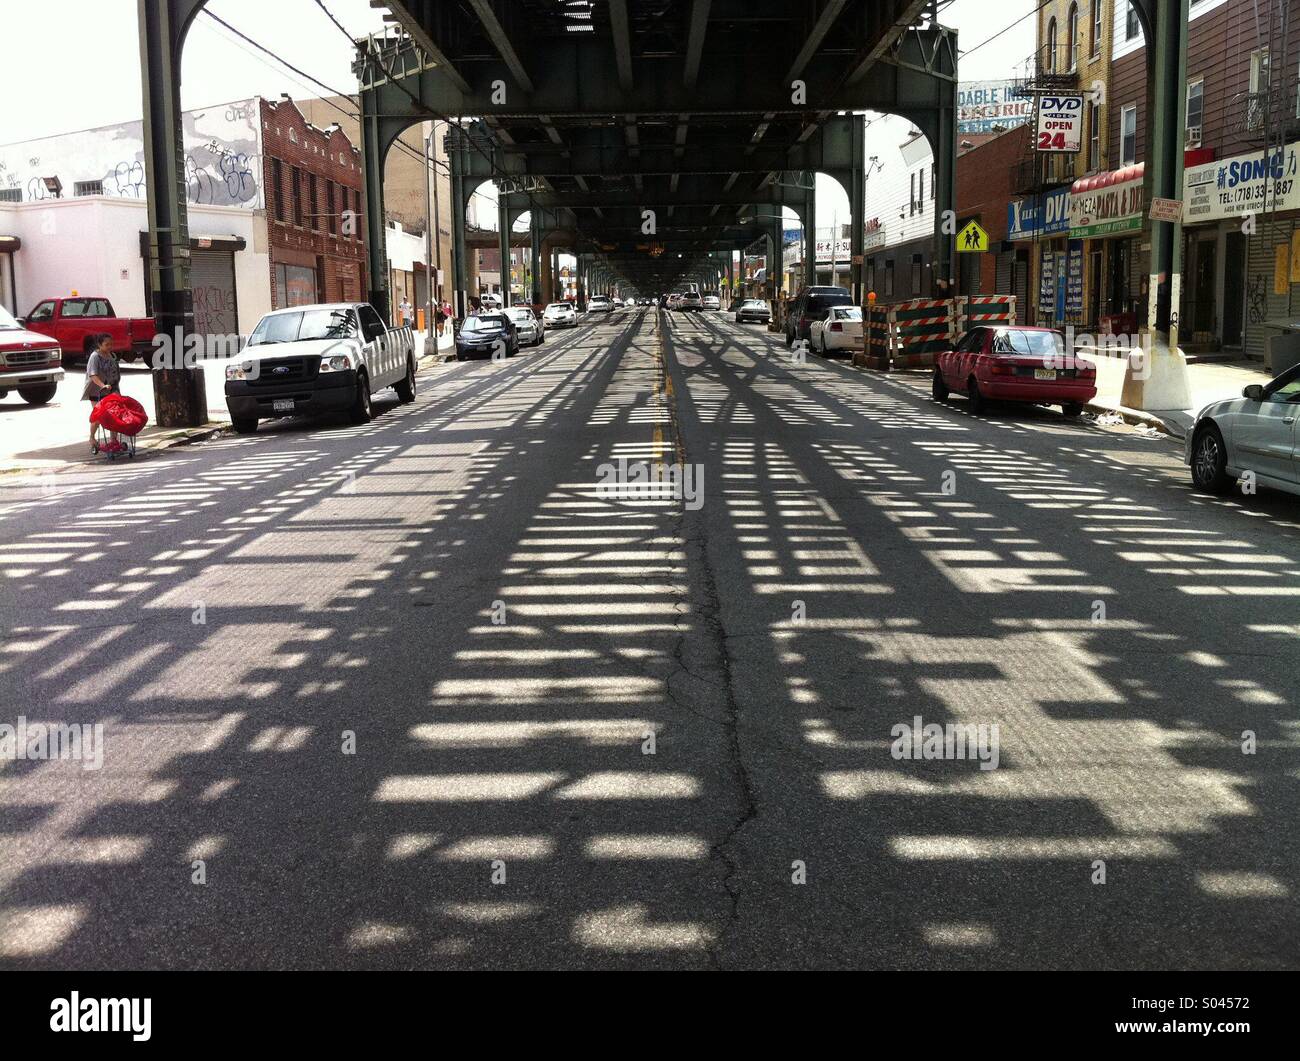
{"x": 282, "y": 405}
{"x": 1044, "y": 373}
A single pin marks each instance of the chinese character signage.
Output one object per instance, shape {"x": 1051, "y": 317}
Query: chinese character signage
{"x": 1243, "y": 184}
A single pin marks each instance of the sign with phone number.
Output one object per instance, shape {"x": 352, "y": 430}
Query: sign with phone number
{"x": 1243, "y": 184}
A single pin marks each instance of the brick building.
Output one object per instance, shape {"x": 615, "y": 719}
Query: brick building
{"x": 985, "y": 179}
{"x": 315, "y": 217}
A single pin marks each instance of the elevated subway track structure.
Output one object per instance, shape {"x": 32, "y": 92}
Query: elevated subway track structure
{"x": 659, "y": 135}
{"x": 664, "y": 133}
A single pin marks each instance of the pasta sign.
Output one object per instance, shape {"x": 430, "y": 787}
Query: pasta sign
{"x": 1060, "y": 123}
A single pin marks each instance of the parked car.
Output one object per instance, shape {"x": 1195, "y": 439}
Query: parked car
{"x": 560, "y": 315}
{"x": 753, "y": 309}
{"x": 1014, "y": 364}
{"x": 489, "y": 301}
{"x": 532, "y": 331}
{"x": 484, "y": 334}
{"x": 73, "y": 322}
{"x": 674, "y": 301}
{"x": 30, "y": 363}
{"x": 840, "y": 331}
{"x": 312, "y": 360}
{"x": 600, "y": 304}
{"x": 710, "y": 302}
{"x": 1254, "y": 433}
{"x": 812, "y": 304}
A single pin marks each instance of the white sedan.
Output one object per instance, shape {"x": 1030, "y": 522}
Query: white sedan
{"x": 1252, "y": 435}
{"x": 560, "y": 315}
{"x": 839, "y": 330}
{"x": 532, "y": 330}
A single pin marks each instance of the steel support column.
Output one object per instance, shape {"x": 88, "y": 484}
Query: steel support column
{"x": 459, "y": 202}
{"x": 504, "y": 226}
{"x": 1166, "y": 104}
{"x": 535, "y": 256}
{"x": 857, "y": 189}
{"x": 809, "y": 215}
{"x": 373, "y": 152}
{"x": 179, "y": 394}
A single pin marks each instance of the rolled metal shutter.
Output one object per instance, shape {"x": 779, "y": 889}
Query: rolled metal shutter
{"x": 212, "y": 278}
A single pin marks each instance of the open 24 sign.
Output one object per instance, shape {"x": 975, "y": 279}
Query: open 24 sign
{"x": 1060, "y": 123}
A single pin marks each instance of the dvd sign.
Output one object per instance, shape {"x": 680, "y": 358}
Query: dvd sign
{"x": 1060, "y": 123}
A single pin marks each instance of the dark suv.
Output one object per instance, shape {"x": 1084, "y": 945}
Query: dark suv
{"x": 812, "y": 304}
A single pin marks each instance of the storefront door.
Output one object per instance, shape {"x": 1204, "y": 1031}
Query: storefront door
{"x": 1203, "y": 280}
{"x": 1234, "y": 287}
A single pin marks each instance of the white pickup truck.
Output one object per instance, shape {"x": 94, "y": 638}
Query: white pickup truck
{"x": 312, "y": 360}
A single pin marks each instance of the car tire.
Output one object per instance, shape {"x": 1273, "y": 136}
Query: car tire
{"x": 1072, "y": 410}
{"x": 360, "y": 411}
{"x": 978, "y": 403}
{"x": 789, "y": 338}
{"x": 405, "y": 387}
{"x": 938, "y": 389}
{"x": 38, "y": 395}
{"x": 1210, "y": 461}
{"x": 243, "y": 426}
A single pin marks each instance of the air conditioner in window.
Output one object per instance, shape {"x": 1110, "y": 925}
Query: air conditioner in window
{"x": 1193, "y": 136}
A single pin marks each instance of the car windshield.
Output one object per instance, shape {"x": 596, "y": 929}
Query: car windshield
{"x": 493, "y": 323}
{"x": 521, "y": 314}
{"x": 304, "y": 325}
{"x": 8, "y": 322}
{"x": 1032, "y": 343}
{"x": 849, "y": 313}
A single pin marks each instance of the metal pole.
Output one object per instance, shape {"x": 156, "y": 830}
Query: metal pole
{"x": 429, "y": 220}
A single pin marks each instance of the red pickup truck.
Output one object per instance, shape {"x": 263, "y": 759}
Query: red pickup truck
{"x": 30, "y": 364}
{"x": 73, "y": 321}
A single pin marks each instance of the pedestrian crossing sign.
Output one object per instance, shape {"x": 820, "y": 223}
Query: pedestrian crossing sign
{"x": 972, "y": 240}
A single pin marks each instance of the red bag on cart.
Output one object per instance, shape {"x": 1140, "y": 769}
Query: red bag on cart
{"x": 117, "y": 412}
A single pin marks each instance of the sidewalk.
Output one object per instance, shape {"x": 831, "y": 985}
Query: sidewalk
{"x": 53, "y": 436}
{"x": 1207, "y": 382}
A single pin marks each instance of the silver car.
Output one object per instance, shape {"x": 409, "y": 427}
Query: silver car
{"x": 532, "y": 331}
{"x": 1252, "y": 435}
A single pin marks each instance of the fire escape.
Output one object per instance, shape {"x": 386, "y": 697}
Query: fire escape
{"x": 1052, "y": 70}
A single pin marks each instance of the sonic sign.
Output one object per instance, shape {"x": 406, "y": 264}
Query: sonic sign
{"x": 1060, "y": 123}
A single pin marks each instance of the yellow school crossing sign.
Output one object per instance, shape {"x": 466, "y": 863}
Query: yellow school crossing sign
{"x": 972, "y": 240}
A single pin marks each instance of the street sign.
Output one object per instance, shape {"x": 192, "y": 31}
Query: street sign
{"x": 972, "y": 240}
{"x": 1060, "y": 123}
{"x": 1166, "y": 210}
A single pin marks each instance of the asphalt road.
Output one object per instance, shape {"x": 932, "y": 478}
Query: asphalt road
{"x": 389, "y": 690}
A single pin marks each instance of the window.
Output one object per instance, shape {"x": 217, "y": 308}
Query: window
{"x": 11, "y": 195}
{"x": 920, "y": 199}
{"x": 43, "y": 312}
{"x": 1094, "y": 136}
{"x": 871, "y": 275}
{"x": 931, "y": 180}
{"x": 911, "y": 194}
{"x": 1050, "y": 60}
{"x": 1128, "y": 124}
{"x": 1095, "y": 50}
{"x": 295, "y": 180}
{"x": 1260, "y": 82}
{"x": 371, "y": 326}
{"x": 1072, "y": 42}
{"x": 314, "y": 199}
{"x": 889, "y": 276}
{"x": 916, "y": 274}
{"x": 1195, "y": 111}
{"x": 332, "y": 220}
{"x": 1131, "y": 27}
{"x": 88, "y": 188}
{"x": 277, "y": 184}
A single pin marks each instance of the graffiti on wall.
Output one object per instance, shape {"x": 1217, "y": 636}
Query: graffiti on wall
{"x": 1257, "y": 298}
{"x": 222, "y": 160}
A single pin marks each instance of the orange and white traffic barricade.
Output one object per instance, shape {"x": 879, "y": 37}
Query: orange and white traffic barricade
{"x": 877, "y": 338}
{"x": 987, "y": 309}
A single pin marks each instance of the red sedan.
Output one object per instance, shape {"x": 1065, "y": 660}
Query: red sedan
{"x": 1007, "y": 363}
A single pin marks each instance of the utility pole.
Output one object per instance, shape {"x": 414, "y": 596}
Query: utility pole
{"x": 430, "y": 219}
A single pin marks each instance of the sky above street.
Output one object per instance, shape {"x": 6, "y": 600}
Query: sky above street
{"x": 101, "y": 85}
